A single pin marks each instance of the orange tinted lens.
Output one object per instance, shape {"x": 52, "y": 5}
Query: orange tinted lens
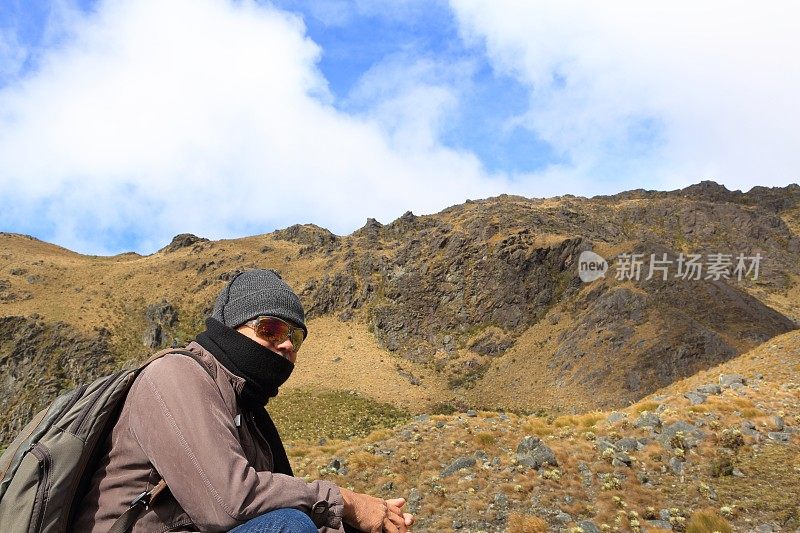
{"x": 273, "y": 330}
{"x": 297, "y": 338}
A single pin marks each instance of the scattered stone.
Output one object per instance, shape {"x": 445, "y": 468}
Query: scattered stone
{"x": 676, "y": 465}
{"x": 709, "y": 388}
{"x": 588, "y": 526}
{"x": 615, "y": 417}
{"x": 459, "y": 464}
{"x": 695, "y": 398}
{"x": 628, "y": 444}
{"x": 602, "y": 444}
{"x": 501, "y": 505}
{"x": 660, "y": 524}
{"x": 501, "y": 500}
{"x": 779, "y": 436}
{"x": 726, "y": 380}
{"x": 736, "y": 386}
{"x": 749, "y": 428}
{"x": 778, "y": 423}
{"x": 622, "y": 459}
{"x": 421, "y": 418}
{"x": 563, "y": 517}
{"x": 586, "y": 474}
{"x": 648, "y": 420}
{"x": 765, "y": 528}
{"x": 471, "y": 413}
{"x": 336, "y": 466}
{"x": 414, "y": 500}
{"x": 692, "y": 435}
{"x": 532, "y": 452}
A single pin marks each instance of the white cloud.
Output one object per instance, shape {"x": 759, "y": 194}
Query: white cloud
{"x": 146, "y": 118}
{"x": 206, "y": 116}
{"x": 713, "y": 84}
{"x": 412, "y": 98}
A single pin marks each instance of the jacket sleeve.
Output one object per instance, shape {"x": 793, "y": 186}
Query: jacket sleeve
{"x": 180, "y": 420}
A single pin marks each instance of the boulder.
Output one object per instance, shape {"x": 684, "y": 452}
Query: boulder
{"x": 726, "y": 380}
{"x": 692, "y": 435}
{"x": 459, "y": 464}
{"x": 628, "y": 444}
{"x": 648, "y": 420}
{"x": 532, "y": 452}
{"x": 615, "y": 417}
{"x": 695, "y": 398}
{"x": 709, "y": 388}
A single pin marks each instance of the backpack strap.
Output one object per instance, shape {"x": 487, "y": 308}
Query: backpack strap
{"x": 142, "y": 502}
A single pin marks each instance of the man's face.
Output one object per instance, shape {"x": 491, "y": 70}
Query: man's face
{"x": 285, "y": 348}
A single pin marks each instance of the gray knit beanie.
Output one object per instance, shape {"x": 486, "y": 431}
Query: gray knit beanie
{"x": 255, "y": 293}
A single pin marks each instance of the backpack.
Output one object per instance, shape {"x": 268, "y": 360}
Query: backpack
{"x": 45, "y": 472}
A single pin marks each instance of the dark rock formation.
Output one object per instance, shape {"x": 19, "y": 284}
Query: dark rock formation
{"x": 184, "y": 240}
{"x": 312, "y": 237}
{"x": 39, "y": 361}
{"x": 160, "y": 317}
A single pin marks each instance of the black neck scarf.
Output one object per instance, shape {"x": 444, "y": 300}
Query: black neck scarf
{"x": 263, "y": 372}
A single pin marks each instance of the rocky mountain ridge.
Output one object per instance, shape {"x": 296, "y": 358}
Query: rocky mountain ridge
{"x": 484, "y": 294}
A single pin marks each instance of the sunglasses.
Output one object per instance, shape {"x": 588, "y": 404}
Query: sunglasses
{"x": 276, "y": 331}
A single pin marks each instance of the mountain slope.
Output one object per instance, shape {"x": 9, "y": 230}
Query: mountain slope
{"x": 479, "y": 305}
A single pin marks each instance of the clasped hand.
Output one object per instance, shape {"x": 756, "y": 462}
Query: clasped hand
{"x": 374, "y": 515}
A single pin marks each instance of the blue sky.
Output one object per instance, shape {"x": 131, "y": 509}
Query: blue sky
{"x": 117, "y": 115}
{"x": 358, "y": 41}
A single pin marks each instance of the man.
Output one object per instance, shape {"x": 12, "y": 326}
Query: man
{"x": 198, "y": 422}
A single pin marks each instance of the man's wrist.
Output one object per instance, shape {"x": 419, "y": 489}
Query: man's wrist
{"x": 347, "y": 501}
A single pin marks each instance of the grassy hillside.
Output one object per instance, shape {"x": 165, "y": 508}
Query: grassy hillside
{"x": 663, "y": 463}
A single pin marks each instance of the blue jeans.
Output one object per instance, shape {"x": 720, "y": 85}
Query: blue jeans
{"x": 278, "y": 521}
{"x": 282, "y": 521}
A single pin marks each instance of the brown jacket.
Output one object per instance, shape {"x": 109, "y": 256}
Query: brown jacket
{"x": 179, "y": 422}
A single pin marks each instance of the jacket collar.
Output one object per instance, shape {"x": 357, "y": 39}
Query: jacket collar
{"x": 224, "y": 378}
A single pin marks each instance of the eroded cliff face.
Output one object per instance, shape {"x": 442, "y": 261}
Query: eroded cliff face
{"x": 38, "y": 361}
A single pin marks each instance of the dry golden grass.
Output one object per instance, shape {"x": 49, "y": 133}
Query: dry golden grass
{"x": 519, "y": 523}
{"x": 346, "y": 356}
{"x": 707, "y": 521}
